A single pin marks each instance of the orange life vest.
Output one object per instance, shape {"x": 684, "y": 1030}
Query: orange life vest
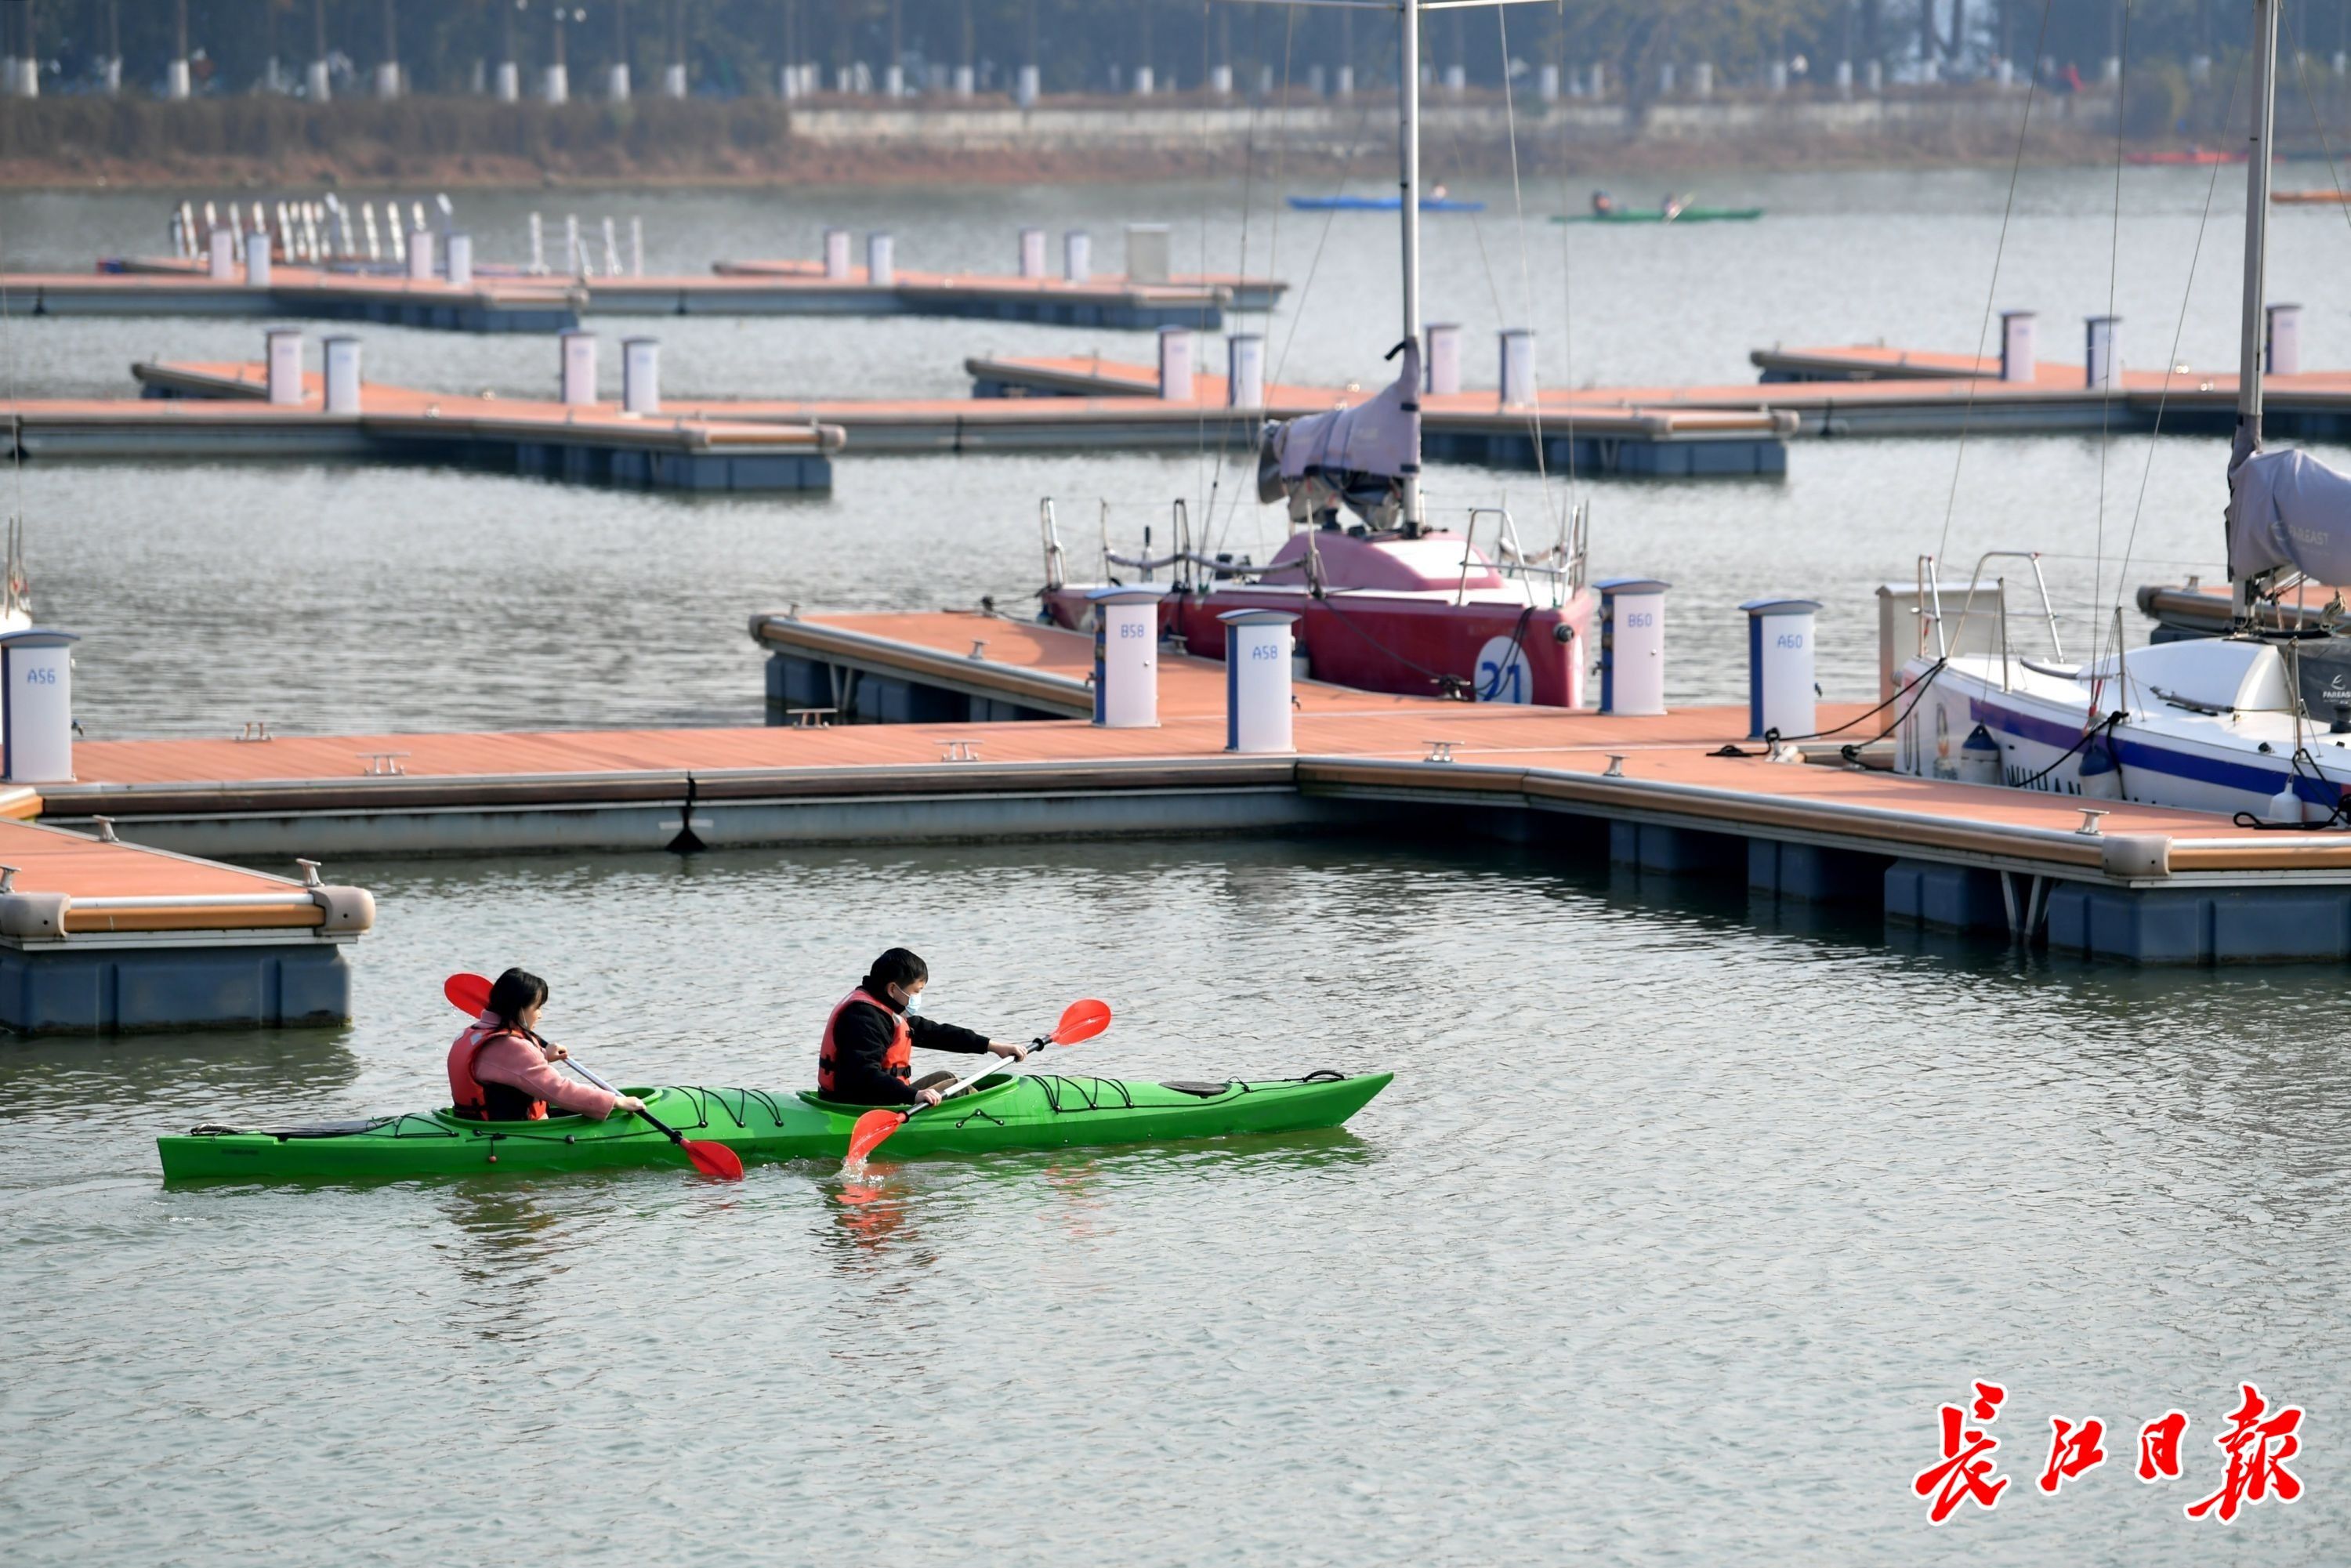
{"x": 898, "y": 1061}
{"x": 481, "y": 1102}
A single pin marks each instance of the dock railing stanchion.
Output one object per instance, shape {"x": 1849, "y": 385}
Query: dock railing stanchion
{"x": 1257, "y": 653}
{"x": 1126, "y": 656}
{"x": 1632, "y": 646}
{"x": 1780, "y": 666}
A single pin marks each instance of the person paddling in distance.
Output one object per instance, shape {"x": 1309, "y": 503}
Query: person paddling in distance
{"x": 500, "y": 1070}
{"x": 867, "y": 1056}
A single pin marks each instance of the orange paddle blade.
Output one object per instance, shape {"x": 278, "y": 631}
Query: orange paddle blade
{"x": 716, "y": 1161}
{"x": 467, "y": 993}
{"x": 1081, "y": 1020}
{"x": 871, "y": 1129}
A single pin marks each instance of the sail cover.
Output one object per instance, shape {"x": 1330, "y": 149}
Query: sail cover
{"x": 1352, "y": 456}
{"x": 2288, "y": 509}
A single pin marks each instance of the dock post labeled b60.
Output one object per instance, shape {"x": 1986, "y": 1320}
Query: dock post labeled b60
{"x": 1126, "y": 655}
{"x": 1632, "y": 646}
{"x": 1780, "y": 694}
{"x": 1257, "y": 679}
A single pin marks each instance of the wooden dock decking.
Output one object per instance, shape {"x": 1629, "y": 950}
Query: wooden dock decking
{"x": 1825, "y": 392}
{"x": 1684, "y": 793}
{"x": 509, "y": 301}
{"x": 1690, "y": 442}
{"x": 219, "y": 411}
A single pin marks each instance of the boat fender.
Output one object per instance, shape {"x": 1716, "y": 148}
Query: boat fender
{"x": 2286, "y": 806}
{"x": 1979, "y": 757}
{"x": 34, "y": 915}
{"x": 2135, "y": 855}
{"x": 347, "y": 909}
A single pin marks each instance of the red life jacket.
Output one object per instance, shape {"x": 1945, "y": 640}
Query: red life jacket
{"x": 898, "y": 1061}
{"x": 479, "y": 1102}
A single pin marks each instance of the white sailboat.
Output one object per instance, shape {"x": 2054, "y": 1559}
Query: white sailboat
{"x": 2256, "y": 723}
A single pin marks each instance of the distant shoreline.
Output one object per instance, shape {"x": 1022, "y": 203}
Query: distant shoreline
{"x": 84, "y": 143}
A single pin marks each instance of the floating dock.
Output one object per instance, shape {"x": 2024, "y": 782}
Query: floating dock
{"x": 1685, "y": 794}
{"x": 100, "y": 937}
{"x": 1692, "y": 443}
{"x": 215, "y": 413}
{"x": 1832, "y": 393}
{"x": 512, "y": 302}
{"x": 298, "y": 293}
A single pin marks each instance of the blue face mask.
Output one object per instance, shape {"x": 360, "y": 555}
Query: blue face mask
{"x": 913, "y": 1001}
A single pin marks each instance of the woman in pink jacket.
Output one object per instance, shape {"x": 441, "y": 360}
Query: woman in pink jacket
{"x": 500, "y": 1070}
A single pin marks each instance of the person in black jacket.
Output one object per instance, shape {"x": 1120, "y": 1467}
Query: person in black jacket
{"x": 867, "y": 1055}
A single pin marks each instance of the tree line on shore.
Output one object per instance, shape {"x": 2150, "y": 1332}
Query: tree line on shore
{"x": 741, "y": 47}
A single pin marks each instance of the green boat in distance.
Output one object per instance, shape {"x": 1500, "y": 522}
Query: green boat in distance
{"x": 1659, "y": 215}
{"x": 1043, "y": 1111}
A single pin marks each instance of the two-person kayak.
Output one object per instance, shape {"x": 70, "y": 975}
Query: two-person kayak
{"x": 1660, "y": 216}
{"x": 1040, "y": 1110}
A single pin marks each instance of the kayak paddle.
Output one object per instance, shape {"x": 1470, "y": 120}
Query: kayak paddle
{"x": 1080, "y": 1020}
{"x": 471, "y": 994}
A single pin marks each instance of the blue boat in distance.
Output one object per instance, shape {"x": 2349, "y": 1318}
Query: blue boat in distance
{"x": 1429, "y": 203}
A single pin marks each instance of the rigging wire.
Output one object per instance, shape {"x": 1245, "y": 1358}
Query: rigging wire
{"x": 1526, "y": 265}
{"x": 2114, "y": 370}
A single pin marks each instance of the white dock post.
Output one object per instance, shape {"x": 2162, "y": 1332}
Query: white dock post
{"x": 836, "y": 254}
{"x": 538, "y": 244}
{"x": 1780, "y": 694}
{"x": 1256, "y": 680}
{"x": 282, "y": 364}
{"x": 1032, "y": 253}
{"x": 558, "y": 85}
{"x": 880, "y": 271}
{"x": 1844, "y": 78}
{"x": 1443, "y": 376}
{"x": 1875, "y": 78}
{"x": 966, "y": 81}
{"x": 342, "y": 375}
{"x": 223, "y": 250}
{"x": 1245, "y": 370}
{"x": 2017, "y": 349}
{"x": 1547, "y": 84}
{"x": 36, "y": 716}
{"x": 1632, "y": 646}
{"x": 461, "y": 261}
{"x": 1702, "y": 80}
{"x": 1175, "y": 363}
{"x": 1126, "y": 656}
{"x": 175, "y": 80}
{"x": 1343, "y": 82}
{"x": 1517, "y": 350}
{"x": 2281, "y": 340}
{"x": 1778, "y": 77}
{"x": 1145, "y": 81}
{"x": 2102, "y": 366}
{"x": 1146, "y": 253}
{"x": 1314, "y": 81}
{"x": 1078, "y": 257}
{"x": 509, "y": 81}
{"x": 257, "y": 260}
{"x": 673, "y": 80}
{"x": 321, "y": 87}
{"x": 420, "y": 256}
{"x": 1220, "y": 81}
{"x": 1025, "y": 93}
{"x": 387, "y": 79}
{"x": 579, "y": 365}
{"x": 636, "y": 246}
{"x": 641, "y": 375}
{"x": 1456, "y": 81}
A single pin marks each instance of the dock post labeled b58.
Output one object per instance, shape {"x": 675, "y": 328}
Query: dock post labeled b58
{"x": 1780, "y": 691}
{"x": 1256, "y": 680}
{"x": 1126, "y": 656}
{"x": 1632, "y": 646}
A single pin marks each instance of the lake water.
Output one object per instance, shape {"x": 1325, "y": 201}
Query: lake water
{"x": 1679, "y": 1223}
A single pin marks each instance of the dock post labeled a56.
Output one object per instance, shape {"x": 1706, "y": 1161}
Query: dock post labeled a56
{"x": 36, "y": 716}
{"x": 1780, "y": 695}
{"x": 1256, "y": 680}
{"x": 1126, "y": 656}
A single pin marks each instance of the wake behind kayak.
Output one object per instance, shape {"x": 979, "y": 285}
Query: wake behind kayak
{"x": 1039, "y": 1110}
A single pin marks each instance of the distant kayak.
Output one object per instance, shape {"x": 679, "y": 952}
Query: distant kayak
{"x": 1041, "y": 1110}
{"x": 1382, "y": 205}
{"x": 2191, "y": 157}
{"x": 2309, "y": 198}
{"x": 1659, "y": 215}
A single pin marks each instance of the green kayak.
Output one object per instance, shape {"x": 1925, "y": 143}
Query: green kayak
{"x": 1657, "y": 215}
{"x": 1043, "y": 1111}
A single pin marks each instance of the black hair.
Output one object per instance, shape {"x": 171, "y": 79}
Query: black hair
{"x": 900, "y": 967}
{"x": 514, "y": 990}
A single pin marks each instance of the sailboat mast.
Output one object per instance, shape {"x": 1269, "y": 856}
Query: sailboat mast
{"x": 2257, "y": 228}
{"x": 1408, "y": 191}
